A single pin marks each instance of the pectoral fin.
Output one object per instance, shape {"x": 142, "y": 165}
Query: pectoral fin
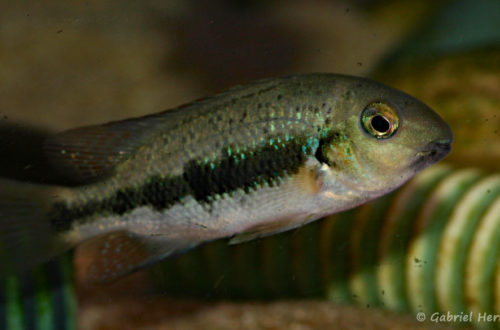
{"x": 266, "y": 229}
{"x": 308, "y": 182}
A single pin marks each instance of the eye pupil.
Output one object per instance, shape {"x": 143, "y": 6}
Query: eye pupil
{"x": 380, "y": 120}
{"x": 380, "y": 124}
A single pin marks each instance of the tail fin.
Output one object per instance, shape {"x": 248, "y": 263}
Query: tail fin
{"x": 26, "y": 236}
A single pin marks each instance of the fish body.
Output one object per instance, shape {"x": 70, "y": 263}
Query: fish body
{"x": 250, "y": 162}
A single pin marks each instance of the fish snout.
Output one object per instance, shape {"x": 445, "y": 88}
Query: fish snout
{"x": 440, "y": 147}
{"x": 432, "y": 153}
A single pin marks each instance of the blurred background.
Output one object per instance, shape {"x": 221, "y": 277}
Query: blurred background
{"x": 72, "y": 63}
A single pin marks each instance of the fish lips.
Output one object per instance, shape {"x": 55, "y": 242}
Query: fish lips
{"x": 431, "y": 153}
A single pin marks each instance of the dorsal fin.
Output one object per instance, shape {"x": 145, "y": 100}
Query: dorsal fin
{"x": 90, "y": 153}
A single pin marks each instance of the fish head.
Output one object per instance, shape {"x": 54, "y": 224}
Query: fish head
{"x": 383, "y": 138}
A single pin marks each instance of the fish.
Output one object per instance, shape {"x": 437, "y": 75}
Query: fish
{"x": 253, "y": 161}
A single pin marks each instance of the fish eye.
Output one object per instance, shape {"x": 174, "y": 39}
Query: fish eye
{"x": 380, "y": 120}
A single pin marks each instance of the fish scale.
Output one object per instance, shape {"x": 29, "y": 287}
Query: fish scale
{"x": 250, "y": 162}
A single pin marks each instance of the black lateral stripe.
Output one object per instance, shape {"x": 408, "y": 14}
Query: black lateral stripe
{"x": 158, "y": 192}
{"x": 232, "y": 172}
{"x": 201, "y": 180}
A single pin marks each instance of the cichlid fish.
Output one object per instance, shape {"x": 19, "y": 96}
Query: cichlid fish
{"x": 250, "y": 162}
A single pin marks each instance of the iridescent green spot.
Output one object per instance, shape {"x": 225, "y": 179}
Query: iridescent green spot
{"x": 312, "y": 143}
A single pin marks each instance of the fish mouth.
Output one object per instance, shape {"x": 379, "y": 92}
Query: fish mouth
{"x": 431, "y": 153}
